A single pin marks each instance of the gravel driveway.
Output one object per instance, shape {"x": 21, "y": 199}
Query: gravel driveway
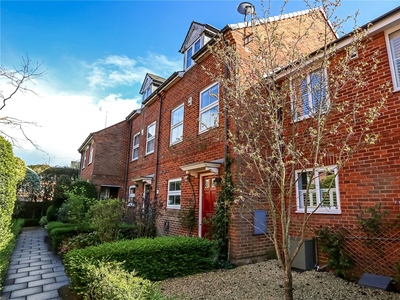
{"x": 265, "y": 281}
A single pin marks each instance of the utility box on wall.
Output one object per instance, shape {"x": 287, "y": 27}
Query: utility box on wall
{"x": 305, "y": 258}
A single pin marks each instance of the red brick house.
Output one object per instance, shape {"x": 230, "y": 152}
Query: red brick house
{"x": 176, "y": 142}
{"x": 104, "y": 160}
{"x": 177, "y": 145}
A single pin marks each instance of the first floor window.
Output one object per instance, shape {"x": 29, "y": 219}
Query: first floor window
{"x": 91, "y": 154}
{"x": 84, "y": 159}
{"x": 209, "y": 108}
{"x": 394, "y": 43}
{"x": 177, "y": 125}
{"x": 318, "y": 188}
{"x": 313, "y": 95}
{"x": 135, "y": 148}
{"x": 151, "y": 134}
{"x": 174, "y": 193}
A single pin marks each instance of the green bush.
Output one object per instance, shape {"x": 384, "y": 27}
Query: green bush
{"x": 79, "y": 241}
{"x": 106, "y": 217}
{"x": 57, "y": 235}
{"x": 6, "y": 252}
{"x": 50, "y": 226}
{"x": 43, "y": 221}
{"x": 75, "y": 209}
{"x": 109, "y": 281}
{"x": 31, "y": 222}
{"x": 153, "y": 259}
{"x": 51, "y": 213}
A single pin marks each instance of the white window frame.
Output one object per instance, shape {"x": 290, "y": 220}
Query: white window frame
{"x": 193, "y": 51}
{"x": 310, "y": 94}
{"x": 90, "y": 154}
{"x": 174, "y": 193}
{"x": 135, "y": 146}
{"x": 211, "y": 106}
{"x": 177, "y": 125}
{"x": 131, "y": 195}
{"x": 84, "y": 159}
{"x": 395, "y": 70}
{"x": 146, "y": 93}
{"x": 149, "y": 139}
{"x": 316, "y": 193}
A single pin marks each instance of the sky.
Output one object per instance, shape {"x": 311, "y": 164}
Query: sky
{"x": 95, "y": 55}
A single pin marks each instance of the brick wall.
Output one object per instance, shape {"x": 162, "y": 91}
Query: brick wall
{"x": 109, "y": 157}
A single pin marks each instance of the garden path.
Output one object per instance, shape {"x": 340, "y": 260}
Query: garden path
{"x": 35, "y": 273}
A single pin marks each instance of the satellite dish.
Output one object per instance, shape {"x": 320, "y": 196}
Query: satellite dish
{"x": 246, "y": 8}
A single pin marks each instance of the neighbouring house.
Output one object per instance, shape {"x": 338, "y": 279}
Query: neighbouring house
{"x": 175, "y": 143}
{"x": 104, "y": 160}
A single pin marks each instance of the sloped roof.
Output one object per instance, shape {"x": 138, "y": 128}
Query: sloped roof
{"x": 195, "y": 30}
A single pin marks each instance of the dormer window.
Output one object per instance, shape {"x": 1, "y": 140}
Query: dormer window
{"x": 146, "y": 93}
{"x": 190, "y": 52}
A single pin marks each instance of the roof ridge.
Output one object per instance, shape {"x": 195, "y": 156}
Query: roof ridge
{"x": 276, "y": 18}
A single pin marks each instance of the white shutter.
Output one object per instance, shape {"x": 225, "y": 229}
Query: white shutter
{"x": 395, "y": 53}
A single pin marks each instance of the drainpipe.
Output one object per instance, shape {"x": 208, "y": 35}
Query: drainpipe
{"x": 127, "y": 162}
{"x": 158, "y": 147}
{"x": 228, "y": 246}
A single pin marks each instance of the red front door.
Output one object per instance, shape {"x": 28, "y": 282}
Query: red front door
{"x": 209, "y": 185}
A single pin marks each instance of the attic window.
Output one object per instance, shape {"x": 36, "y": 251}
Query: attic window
{"x": 146, "y": 93}
{"x": 190, "y": 52}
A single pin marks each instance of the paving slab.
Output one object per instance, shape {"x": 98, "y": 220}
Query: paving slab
{"x": 35, "y": 273}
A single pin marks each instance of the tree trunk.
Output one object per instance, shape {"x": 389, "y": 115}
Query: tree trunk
{"x": 288, "y": 282}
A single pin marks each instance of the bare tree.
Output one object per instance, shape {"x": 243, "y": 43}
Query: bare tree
{"x": 16, "y": 80}
{"x": 290, "y": 126}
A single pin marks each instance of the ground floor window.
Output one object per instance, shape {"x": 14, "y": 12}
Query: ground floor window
{"x": 318, "y": 188}
{"x": 174, "y": 193}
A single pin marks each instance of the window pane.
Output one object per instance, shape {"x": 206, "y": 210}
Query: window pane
{"x": 176, "y": 134}
{"x": 197, "y": 46}
{"x": 177, "y": 115}
{"x": 189, "y": 58}
{"x": 305, "y": 198}
{"x": 135, "y": 153}
{"x": 327, "y": 186}
{"x": 174, "y": 200}
{"x": 304, "y": 98}
{"x": 136, "y": 140}
{"x": 150, "y": 146}
{"x": 209, "y": 118}
{"x": 209, "y": 96}
{"x": 151, "y": 131}
{"x": 395, "y": 51}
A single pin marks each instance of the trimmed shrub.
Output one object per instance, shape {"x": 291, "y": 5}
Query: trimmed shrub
{"x": 50, "y": 226}
{"x": 51, "y": 213}
{"x": 31, "y": 222}
{"x": 109, "y": 281}
{"x": 59, "y": 231}
{"x": 153, "y": 259}
{"x": 7, "y": 250}
{"x": 57, "y": 235}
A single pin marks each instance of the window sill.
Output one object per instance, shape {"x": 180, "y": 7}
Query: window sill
{"x": 135, "y": 159}
{"x": 174, "y": 207}
{"x": 149, "y": 153}
{"x": 208, "y": 129}
{"x": 320, "y": 211}
{"x": 175, "y": 143}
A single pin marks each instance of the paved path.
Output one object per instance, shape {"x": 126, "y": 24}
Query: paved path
{"x": 35, "y": 273}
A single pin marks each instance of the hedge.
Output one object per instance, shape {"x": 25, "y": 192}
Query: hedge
{"x": 59, "y": 231}
{"x": 152, "y": 259}
{"x": 6, "y": 252}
